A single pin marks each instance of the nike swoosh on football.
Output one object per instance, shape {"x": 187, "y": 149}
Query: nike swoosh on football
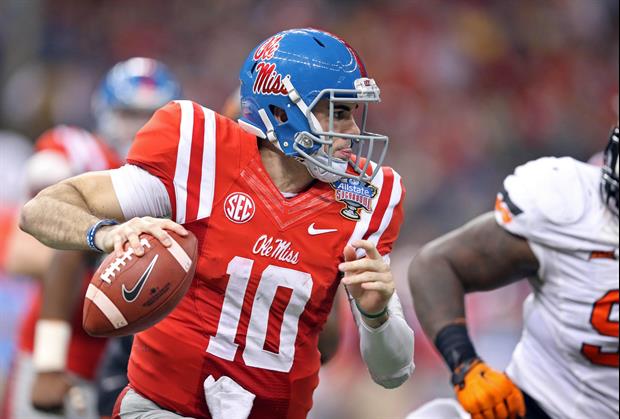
{"x": 316, "y": 231}
{"x": 132, "y": 294}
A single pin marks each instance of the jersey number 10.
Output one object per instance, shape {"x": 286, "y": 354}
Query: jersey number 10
{"x": 273, "y": 279}
{"x": 600, "y": 320}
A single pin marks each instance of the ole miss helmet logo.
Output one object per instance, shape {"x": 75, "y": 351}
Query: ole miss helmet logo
{"x": 239, "y": 207}
{"x": 268, "y": 81}
{"x": 267, "y": 50}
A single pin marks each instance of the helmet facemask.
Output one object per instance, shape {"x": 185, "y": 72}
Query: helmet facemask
{"x": 610, "y": 187}
{"x": 316, "y": 146}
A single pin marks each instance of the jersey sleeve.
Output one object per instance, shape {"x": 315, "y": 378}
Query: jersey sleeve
{"x": 385, "y": 227}
{"x": 541, "y": 200}
{"x": 177, "y": 146}
{"x": 139, "y": 193}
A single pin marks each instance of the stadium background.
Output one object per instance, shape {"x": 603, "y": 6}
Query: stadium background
{"x": 470, "y": 89}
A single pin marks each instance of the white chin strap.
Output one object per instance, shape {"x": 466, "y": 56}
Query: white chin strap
{"x": 297, "y": 100}
{"x": 321, "y": 174}
{"x": 271, "y": 135}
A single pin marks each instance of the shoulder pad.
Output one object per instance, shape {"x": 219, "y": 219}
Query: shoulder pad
{"x": 554, "y": 187}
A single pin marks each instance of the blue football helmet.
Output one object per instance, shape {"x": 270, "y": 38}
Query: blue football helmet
{"x": 294, "y": 70}
{"x": 127, "y": 97}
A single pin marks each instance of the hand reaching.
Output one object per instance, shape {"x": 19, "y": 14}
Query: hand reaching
{"x": 368, "y": 279}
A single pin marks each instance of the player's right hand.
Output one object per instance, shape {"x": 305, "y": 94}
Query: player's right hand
{"x": 487, "y": 393}
{"x": 114, "y": 238}
{"x": 49, "y": 391}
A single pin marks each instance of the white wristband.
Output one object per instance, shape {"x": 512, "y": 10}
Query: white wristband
{"x": 51, "y": 345}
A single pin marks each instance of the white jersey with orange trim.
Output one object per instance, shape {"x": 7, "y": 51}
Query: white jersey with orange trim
{"x": 267, "y": 269}
{"x": 567, "y": 358}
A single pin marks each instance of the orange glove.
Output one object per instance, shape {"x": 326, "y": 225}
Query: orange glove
{"x": 486, "y": 393}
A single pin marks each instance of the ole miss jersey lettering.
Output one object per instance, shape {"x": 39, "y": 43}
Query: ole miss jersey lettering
{"x": 265, "y": 279}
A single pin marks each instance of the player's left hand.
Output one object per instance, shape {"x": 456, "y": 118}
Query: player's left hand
{"x": 368, "y": 279}
{"x": 49, "y": 391}
{"x": 486, "y": 393}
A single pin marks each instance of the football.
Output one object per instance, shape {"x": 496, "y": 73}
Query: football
{"x": 129, "y": 294}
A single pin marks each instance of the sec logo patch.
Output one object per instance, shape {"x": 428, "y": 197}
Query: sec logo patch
{"x": 239, "y": 207}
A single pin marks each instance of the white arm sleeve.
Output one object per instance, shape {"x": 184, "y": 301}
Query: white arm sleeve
{"x": 388, "y": 349}
{"x": 140, "y": 193}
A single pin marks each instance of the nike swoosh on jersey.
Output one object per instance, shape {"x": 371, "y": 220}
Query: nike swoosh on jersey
{"x": 316, "y": 231}
{"x": 132, "y": 294}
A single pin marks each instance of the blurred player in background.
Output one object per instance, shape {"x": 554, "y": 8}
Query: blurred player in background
{"x": 51, "y": 162}
{"x": 112, "y": 375}
{"x": 56, "y": 356}
{"x": 555, "y": 222}
{"x": 283, "y": 208}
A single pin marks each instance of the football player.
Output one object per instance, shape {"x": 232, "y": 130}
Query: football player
{"x": 57, "y": 358}
{"x": 112, "y": 375}
{"x": 53, "y": 355}
{"x": 286, "y": 204}
{"x": 556, "y": 223}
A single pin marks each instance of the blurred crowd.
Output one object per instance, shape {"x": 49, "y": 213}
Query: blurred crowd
{"x": 470, "y": 89}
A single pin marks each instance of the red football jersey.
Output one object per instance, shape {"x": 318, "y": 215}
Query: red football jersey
{"x": 84, "y": 152}
{"x": 267, "y": 269}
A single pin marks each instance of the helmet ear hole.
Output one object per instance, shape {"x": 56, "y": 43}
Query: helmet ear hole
{"x": 279, "y": 114}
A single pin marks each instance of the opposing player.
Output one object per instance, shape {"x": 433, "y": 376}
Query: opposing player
{"x": 57, "y": 358}
{"x": 282, "y": 206}
{"x": 555, "y": 222}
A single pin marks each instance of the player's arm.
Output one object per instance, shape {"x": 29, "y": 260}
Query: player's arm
{"x": 386, "y": 340}
{"x": 61, "y": 294}
{"x": 477, "y": 257}
{"x": 61, "y": 215}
